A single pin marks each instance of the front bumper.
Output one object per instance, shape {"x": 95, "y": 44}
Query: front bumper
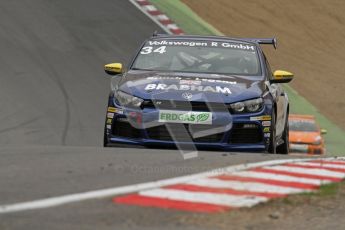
{"x": 307, "y": 148}
{"x": 239, "y": 132}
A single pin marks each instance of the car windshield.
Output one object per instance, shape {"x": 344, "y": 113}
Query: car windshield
{"x": 302, "y": 126}
{"x": 231, "y": 58}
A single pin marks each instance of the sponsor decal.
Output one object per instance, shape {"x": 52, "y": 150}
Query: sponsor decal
{"x": 195, "y": 81}
{"x": 190, "y": 117}
{"x": 261, "y": 118}
{"x": 190, "y": 82}
{"x": 266, "y": 118}
{"x": 237, "y": 46}
{"x": 110, "y": 115}
{"x": 163, "y": 43}
{"x": 150, "y": 49}
{"x": 108, "y": 126}
{"x": 122, "y": 119}
{"x": 163, "y": 78}
{"x": 112, "y": 109}
{"x": 255, "y": 118}
{"x": 267, "y": 129}
{"x": 187, "y": 96}
{"x": 119, "y": 111}
{"x": 217, "y": 81}
{"x": 267, "y": 134}
{"x": 178, "y": 43}
{"x": 266, "y": 123}
{"x": 199, "y": 88}
{"x": 109, "y": 121}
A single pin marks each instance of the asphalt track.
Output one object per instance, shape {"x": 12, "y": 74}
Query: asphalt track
{"x": 53, "y": 96}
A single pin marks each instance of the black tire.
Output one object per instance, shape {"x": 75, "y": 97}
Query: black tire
{"x": 105, "y": 138}
{"x": 284, "y": 148}
{"x": 272, "y": 148}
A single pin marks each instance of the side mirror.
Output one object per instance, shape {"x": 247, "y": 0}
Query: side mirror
{"x": 281, "y": 76}
{"x": 113, "y": 68}
{"x": 323, "y": 131}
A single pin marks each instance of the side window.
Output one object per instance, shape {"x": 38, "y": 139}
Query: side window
{"x": 268, "y": 68}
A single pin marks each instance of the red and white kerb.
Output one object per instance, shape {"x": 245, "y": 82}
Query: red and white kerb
{"x": 160, "y": 18}
{"x": 241, "y": 188}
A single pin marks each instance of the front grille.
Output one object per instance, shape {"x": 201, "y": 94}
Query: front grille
{"x": 124, "y": 129}
{"x": 185, "y": 105}
{"x": 161, "y": 133}
{"x": 245, "y": 134}
{"x": 317, "y": 151}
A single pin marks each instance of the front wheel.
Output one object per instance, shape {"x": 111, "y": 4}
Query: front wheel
{"x": 105, "y": 138}
{"x": 272, "y": 148}
{"x": 284, "y": 148}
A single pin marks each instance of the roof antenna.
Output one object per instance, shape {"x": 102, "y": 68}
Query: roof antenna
{"x": 155, "y": 34}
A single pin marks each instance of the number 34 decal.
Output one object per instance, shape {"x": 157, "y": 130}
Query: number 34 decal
{"x": 149, "y": 49}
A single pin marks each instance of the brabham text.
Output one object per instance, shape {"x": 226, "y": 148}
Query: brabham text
{"x": 200, "y": 88}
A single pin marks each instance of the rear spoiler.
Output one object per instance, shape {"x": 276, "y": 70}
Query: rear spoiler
{"x": 264, "y": 41}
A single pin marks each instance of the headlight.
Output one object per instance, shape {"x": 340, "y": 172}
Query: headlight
{"x": 126, "y": 99}
{"x": 250, "y": 106}
{"x": 317, "y": 141}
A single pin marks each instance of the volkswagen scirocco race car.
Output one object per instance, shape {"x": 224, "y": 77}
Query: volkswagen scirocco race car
{"x": 206, "y": 91}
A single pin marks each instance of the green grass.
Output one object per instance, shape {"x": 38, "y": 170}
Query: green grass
{"x": 191, "y": 23}
{"x": 329, "y": 190}
{"x": 325, "y": 191}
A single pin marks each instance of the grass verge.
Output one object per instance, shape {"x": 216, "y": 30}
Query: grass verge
{"x": 325, "y": 191}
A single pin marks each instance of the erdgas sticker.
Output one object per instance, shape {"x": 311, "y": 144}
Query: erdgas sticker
{"x": 172, "y": 116}
{"x": 198, "y": 88}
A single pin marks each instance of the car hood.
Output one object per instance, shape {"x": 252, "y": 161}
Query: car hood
{"x": 193, "y": 87}
{"x": 304, "y": 137}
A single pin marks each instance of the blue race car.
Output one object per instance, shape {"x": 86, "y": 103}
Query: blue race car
{"x": 205, "y": 91}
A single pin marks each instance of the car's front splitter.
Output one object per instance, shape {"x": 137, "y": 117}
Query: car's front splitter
{"x": 188, "y": 145}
